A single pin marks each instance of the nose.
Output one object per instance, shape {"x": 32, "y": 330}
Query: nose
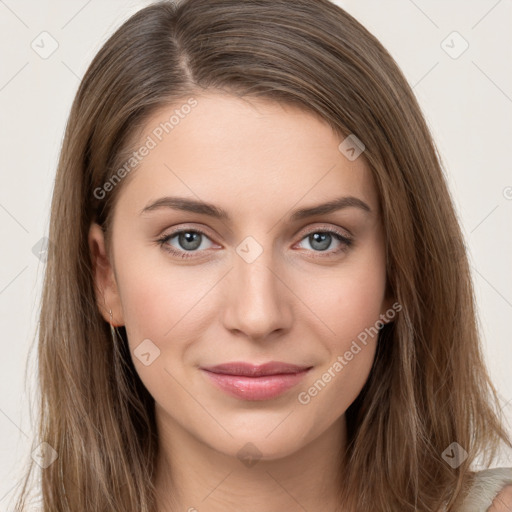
{"x": 258, "y": 302}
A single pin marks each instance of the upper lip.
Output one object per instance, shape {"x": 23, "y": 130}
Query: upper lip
{"x": 251, "y": 370}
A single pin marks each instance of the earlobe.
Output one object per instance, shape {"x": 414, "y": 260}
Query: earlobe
{"x": 107, "y": 295}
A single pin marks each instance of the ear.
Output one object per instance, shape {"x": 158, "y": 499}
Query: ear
{"x": 107, "y": 294}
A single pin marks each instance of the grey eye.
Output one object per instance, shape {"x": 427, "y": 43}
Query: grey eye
{"x": 320, "y": 241}
{"x": 189, "y": 240}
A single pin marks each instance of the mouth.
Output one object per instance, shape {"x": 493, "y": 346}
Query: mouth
{"x": 255, "y": 382}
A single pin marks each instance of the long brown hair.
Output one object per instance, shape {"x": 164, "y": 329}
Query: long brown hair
{"x": 428, "y": 386}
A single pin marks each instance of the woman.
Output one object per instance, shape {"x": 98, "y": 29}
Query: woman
{"x": 257, "y": 296}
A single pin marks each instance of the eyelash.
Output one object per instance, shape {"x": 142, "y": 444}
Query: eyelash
{"x": 345, "y": 241}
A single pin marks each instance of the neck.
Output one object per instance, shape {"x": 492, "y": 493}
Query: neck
{"x": 194, "y": 477}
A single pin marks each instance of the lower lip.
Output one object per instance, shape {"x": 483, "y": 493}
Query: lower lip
{"x": 256, "y": 388}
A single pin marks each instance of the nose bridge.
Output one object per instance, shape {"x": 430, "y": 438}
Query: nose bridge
{"x": 258, "y": 304}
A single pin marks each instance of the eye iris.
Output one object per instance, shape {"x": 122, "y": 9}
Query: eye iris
{"x": 323, "y": 238}
{"x": 189, "y": 237}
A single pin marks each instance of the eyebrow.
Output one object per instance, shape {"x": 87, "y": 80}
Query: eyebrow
{"x": 191, "y": 205}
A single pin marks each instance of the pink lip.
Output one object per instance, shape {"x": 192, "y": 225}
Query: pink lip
{"x": 256, "y": 382}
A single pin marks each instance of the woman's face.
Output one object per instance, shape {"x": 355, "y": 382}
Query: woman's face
{"x": 265, "y": 281}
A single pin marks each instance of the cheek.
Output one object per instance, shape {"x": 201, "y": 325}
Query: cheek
{"x": 353, "y": 317}
{"x": 352, "y": 298}
{"x": 335, "y": 386}
{"x": 158, "y": 297}
{"x": 350, "y": 304}
{"x": 167, "y": 305}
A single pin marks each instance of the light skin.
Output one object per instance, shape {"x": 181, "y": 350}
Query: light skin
{"x": 301, "y": 301}
{"x": 503, "y": 501}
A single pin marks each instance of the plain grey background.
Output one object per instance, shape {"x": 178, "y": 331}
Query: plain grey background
{"x": 456, "y": 54}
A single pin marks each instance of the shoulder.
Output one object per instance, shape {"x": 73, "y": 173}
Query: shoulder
{"x": 503, "y": 501}
{"x": 491, "y": 491}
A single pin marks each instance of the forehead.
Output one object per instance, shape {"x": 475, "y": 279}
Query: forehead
{"x": 244, "y": 154}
